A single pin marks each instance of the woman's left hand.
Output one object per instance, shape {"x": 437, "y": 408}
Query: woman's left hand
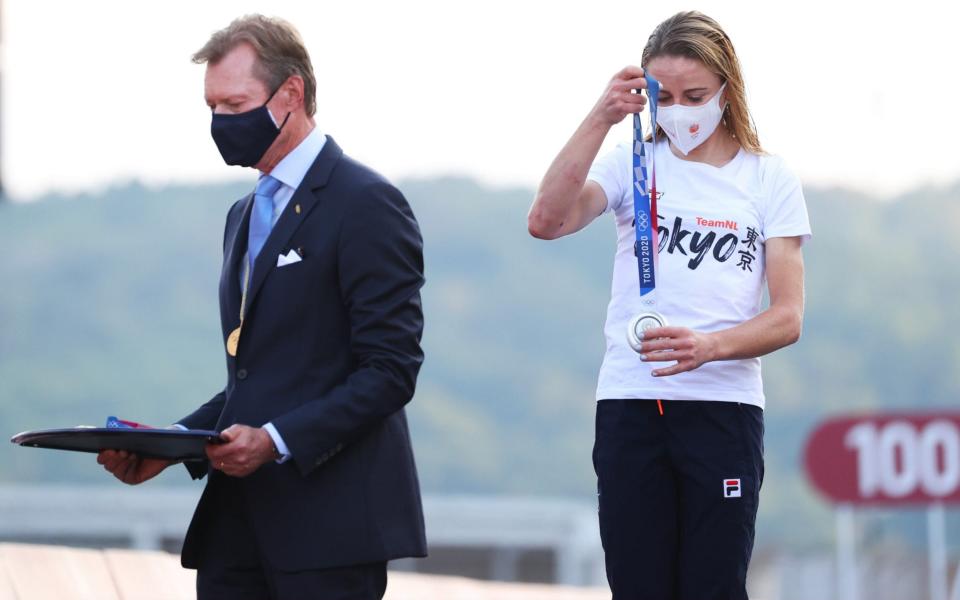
{"x": 687, "y": 347}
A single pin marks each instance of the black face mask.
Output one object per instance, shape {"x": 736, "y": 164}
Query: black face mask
{"x": 244, "y": 138}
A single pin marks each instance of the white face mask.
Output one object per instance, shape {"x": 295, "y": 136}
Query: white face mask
{"x": 689, "y": 126}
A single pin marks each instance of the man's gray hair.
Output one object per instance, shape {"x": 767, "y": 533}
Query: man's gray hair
{"x": 280, "y": 51}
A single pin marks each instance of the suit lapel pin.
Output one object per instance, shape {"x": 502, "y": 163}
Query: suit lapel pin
{"x": 296, "y": 208}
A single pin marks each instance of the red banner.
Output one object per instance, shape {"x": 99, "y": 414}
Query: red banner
{"x": 886, "y": 459}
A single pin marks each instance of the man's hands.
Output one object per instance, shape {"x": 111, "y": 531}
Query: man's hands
{"x": 244, "y": 450}
{"x": 687, "y": 347}
{"x": 618, "y": 99}
{"x": 131, "y": 468}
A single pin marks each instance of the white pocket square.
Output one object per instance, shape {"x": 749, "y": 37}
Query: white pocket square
{"x": 288, "y": 259}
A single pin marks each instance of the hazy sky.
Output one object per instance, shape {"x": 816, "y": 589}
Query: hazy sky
{"x": 100, "y": 92}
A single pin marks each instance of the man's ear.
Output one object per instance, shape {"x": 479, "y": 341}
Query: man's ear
{"x": 293, "y": 92}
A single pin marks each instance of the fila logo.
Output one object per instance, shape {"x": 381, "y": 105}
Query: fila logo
{"x": 731, "y": 488}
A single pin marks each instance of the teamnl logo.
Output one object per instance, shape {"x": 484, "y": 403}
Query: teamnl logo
{"x": 731, "y": 488}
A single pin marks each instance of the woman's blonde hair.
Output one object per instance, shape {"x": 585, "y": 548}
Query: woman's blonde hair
{"x": 692, "y": 34}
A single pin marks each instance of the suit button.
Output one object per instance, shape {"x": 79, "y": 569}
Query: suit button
{"x": 242, "y": 374}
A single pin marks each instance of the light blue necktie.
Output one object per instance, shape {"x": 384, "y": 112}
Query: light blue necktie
{"x": 261, "y": 218}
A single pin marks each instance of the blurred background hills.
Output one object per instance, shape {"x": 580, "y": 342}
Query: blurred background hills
{"x": 109, "y": 307}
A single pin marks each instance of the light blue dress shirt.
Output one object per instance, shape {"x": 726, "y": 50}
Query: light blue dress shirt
{"x": 293, "y": 168}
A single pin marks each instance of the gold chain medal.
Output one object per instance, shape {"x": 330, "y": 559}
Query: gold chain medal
{"x": 233, "y": 340}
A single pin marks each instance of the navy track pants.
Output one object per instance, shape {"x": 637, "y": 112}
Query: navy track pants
{"x": 678, "y": 495}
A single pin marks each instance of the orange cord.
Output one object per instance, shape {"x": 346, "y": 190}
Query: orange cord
{"x": 660, "y": 407}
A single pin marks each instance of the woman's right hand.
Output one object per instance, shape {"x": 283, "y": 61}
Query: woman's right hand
{"x": 566, "y": 202}
{"x": 619, "y": 100}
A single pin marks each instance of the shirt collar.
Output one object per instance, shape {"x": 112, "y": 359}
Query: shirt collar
{"x": 293, "y": 168}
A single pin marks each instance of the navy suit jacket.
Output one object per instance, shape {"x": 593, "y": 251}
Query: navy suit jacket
{"x": 329, "y": 353}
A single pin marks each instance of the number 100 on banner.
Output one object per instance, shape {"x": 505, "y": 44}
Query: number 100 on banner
{"x": 886, "y": 459}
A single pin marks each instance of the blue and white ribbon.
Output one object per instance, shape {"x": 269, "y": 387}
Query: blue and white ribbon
{"x": 645, "y": 196}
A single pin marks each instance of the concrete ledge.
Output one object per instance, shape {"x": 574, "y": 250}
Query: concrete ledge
{"x": 37, "y": 572}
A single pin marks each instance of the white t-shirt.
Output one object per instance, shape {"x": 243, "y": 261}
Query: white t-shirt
{"x": 713, "y": 223}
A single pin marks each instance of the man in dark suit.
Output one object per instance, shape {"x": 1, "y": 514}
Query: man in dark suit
{"x": 314, "y": 487}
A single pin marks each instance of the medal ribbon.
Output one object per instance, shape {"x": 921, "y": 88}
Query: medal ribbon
{"x": 243, "y": 294}
{"x": 645, "y": 197}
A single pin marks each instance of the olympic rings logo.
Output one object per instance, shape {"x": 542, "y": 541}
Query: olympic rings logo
{"x": 643, "y": 221}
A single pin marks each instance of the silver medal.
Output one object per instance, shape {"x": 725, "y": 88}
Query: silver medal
{"x": 640, "y": 324}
